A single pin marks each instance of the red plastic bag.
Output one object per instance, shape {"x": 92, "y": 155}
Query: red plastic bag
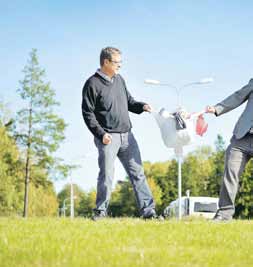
{"x": 201, "y": 125}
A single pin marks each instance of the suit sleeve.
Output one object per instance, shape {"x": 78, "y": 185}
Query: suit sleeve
{"x": 88, "y": 108}
{"x": 234, "y": 100}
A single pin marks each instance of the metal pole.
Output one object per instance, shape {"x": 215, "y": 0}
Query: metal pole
{"x": 179, "y": 154}
{"x": 71, "y": 199}
{"x": 179, "y": 188}
{"x": 64, "y": 208}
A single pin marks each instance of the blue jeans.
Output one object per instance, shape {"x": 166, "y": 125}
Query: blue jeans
{"x": 125, "y": 147}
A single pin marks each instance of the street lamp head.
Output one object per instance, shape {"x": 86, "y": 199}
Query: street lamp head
{"x": 206, "y": 80}
{"x": 149, "y": 81}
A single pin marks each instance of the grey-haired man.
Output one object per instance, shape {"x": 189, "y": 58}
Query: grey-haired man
{"x": 239, "y": 151}
{"x": 105, "y": 106}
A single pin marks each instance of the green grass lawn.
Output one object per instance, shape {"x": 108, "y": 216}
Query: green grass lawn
{"x": 124, "y": 242}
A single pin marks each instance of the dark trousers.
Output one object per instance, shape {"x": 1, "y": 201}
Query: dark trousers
{"x": 238, "y": 154}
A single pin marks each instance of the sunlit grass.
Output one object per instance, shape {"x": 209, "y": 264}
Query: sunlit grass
{"x": 124, "y": 242}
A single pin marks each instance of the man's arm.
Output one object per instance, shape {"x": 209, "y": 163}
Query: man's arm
{"x": 88, "y": 107}
{"x": 234, "y": 100}
{"x": 133, "y": 105}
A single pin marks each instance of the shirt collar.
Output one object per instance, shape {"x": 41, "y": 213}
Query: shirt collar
{"x": 103, "y": 75}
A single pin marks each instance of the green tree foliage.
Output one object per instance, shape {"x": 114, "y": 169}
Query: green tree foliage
{"x": 11, "y": 175}
{"x": 196, "y": 171}
{"x": 217, "y": 160}
{"x": 87, "y": 204}
{"x": 43, "y": 200}
{"x": 244, "y": 200}
{"x": 39, "y": 131}
{"x": 156, "y": 191}
{"x": 164, "y": 175}
{"x": 123, "y": 202}
{"x": 158, "y": 174}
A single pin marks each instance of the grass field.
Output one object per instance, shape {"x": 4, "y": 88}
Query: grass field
{"x": 124, "y": 242}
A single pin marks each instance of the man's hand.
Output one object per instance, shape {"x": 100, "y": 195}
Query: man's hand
{"x": 107, "y": 139}
{"x": 147, "y": 108}
{"x": 210, "y": 109}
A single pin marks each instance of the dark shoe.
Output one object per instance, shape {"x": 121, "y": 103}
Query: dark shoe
{"x": 98, "y": 215}
{"x": 219, "y": 218}
{"x": 149, "y": 214}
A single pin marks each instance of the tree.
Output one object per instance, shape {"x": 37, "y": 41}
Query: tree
{"x": 217, "y": 160}
{"x": 87, "y": 204}
{"x": 165, "y": 176}
{"x": 156, "y": 191}
{"x": 79, "y": 195}
{"x": 43, "y": 200}
{"x": 5, "y": 115}
{"x": 39, "y": 131}
{"x": 123, "y": 202}
{"x": 196, "y": 171}
{"x": 157, "y": 173}
{"x": 244, "y": 199}
{"x": 11, "y": 190}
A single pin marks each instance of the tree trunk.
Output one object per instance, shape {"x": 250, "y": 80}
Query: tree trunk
{"x": 27, "y": 167}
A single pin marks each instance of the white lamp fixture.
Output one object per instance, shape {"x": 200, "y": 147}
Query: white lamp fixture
{"x": 149, "y": 81}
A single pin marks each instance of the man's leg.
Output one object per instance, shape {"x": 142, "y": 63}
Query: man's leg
{"x": 106, "y": 158}
{"x": 130, "y": 157}
{"x": 235, "y": 161}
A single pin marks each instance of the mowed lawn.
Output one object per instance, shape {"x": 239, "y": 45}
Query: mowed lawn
{"x": 127, "y": 242}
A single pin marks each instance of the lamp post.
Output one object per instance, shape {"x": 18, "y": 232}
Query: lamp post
{"x": 179, "y": 150}
{"x": 64, "y": 206}
{"x": 72, "y": 202}
{"x": 179, "y": 89}
{"x": 72, "y": 197}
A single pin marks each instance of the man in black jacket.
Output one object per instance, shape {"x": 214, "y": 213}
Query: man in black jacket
{"x": 105, "y": 106}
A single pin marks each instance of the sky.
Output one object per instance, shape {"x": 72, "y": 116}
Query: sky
{"x": 176, "y": 42}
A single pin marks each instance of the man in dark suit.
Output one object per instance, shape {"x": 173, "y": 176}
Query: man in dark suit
{"x": 239, "y": 151}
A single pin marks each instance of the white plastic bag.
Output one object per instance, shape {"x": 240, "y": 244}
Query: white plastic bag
{"x": 172, "y": 137}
